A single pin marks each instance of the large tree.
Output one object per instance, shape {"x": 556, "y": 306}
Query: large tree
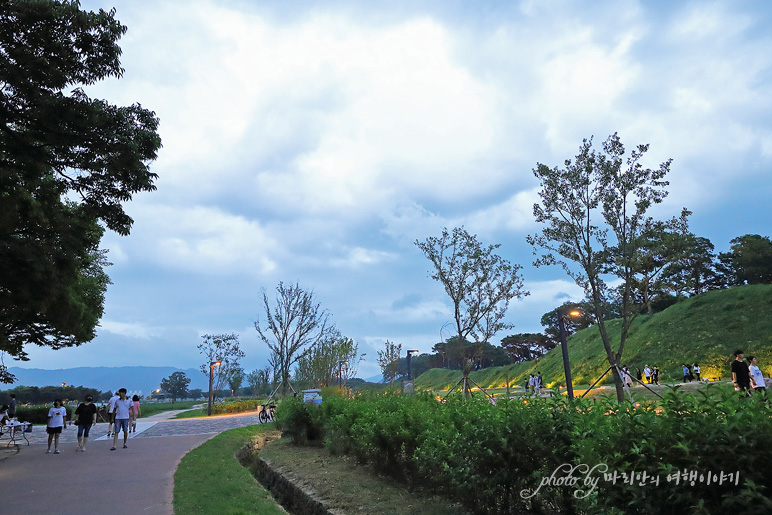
{"x": 750, "y": 260}
{"x": 226, "y": 349}
{"x": 67, "y": 163}
{"x": 292, "y": 328}
{"x": 479, "y": 282}
{"x": 176, "y": 385}
{"x": 323, "y": 362}
{"x": 594, "y": 212}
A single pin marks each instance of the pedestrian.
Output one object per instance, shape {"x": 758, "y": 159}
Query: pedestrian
{"x": 111, "y": 413}
{"x": 527, "y": 385}
{"x": 697, "y": 371}
{"x": 540, "y": 382}
{"x": 655, "y": 375}
{"x": 56, "y": 422}
{"x": 757, "y": 376}
{"x": 638, "y": 374}
{"x": 687, "y": 373}
{"x": 532, "y": 383}
{"x": 122, "y": 412}
{"x": 135, "y": 412}
{"x": 741, "y": 375}
{"x": 4, "y": 418}
{"x": 12, "y": 407}
{"x": 647, "y": 373}
{"x": 87, "y": 416}
{"x": 628, "y": 379}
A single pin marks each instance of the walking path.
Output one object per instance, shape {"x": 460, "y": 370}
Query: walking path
{"x": 139, "y": 479}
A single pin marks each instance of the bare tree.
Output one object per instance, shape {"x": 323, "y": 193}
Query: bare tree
{"x": 479, "y": 282}
{"x": 292, "y": 328}
{"x": 388, "y": 360}
{"x": 225, "y": 349}
{"x": 594, "y": 216}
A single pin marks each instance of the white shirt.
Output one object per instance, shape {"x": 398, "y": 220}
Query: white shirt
{"x": 122, "y": 408}
{"x": 111, "y": 403}
{"x": 647, "y": 371}
{"x": 758, "y": 376}
{"x": 57, "y": 416}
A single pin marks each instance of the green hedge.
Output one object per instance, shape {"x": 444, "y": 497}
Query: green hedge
{"x": 491, "y": 457}
{"x": 236, "y": 407}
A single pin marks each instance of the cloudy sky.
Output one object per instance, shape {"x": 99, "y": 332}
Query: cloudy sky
{"x": 314, "y": 142}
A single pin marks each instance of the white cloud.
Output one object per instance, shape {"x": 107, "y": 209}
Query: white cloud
{"x": 131, "y": 329}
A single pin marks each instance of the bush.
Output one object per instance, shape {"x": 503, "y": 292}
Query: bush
{"x": 236, "y": 407}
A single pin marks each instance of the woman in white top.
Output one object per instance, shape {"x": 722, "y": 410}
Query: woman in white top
{"x": 757, "y": 376}
{"x": 56, "y": 421}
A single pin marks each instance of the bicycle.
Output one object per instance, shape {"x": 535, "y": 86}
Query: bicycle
{"x": 266, "y": 413}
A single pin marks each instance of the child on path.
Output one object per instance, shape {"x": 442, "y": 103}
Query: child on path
{"x": 56, "y": 422}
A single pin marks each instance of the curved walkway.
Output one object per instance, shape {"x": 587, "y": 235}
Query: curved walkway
{"x": 139, "y": 479}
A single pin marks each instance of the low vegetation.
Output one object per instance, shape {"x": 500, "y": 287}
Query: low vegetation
{"x": 492, "y": 458}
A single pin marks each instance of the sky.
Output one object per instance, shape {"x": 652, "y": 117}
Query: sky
{"x": 314, "y": 142}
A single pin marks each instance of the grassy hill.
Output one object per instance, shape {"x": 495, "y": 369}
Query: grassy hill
{"x": 705, "y": 329}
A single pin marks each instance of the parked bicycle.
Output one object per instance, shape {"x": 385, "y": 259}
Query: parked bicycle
{"x": 266, "y": 412}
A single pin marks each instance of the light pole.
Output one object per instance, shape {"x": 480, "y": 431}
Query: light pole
{"x": 211, "y": 378}
{"x": 340, "y": 372}
{"x": 564, "y": 312}
{"x": 409, "y": 371}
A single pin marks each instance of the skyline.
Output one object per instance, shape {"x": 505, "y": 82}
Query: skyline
{"x": 315, "y": 143}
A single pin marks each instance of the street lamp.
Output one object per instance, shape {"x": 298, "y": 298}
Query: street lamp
{"x": 211, "y": 378}
{"x": 409, "y": 356}
{"x": 564, "y": 312}
{"x": 340, "y": 372}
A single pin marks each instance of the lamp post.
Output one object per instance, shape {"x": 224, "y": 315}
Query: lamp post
{"x": 409, "y": 356}
{"x": 211, "y": 378}
{"x": 340, "y": 372}
{"x": 564, "y": 312}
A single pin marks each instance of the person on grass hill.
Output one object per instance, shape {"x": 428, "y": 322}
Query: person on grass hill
{"x": 56, "y": 422}
{"x": 111, "y": 413}
{"x": 87, "y": 415}
{"x": 741, "y": 375}
{"x": 757, "y": 376}
{"x": 123, "y": 409}
{"x": 697, "y": 371}
{"x": 647, "y": 373}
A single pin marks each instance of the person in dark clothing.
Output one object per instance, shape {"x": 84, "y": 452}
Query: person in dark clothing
{"x": 87, "y": 414}
{"x": 12, "y": 406}
{"x": 741, "y": 375}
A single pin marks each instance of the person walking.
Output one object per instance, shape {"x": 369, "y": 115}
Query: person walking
{"x": 638, "y": 374}
{"x": 135, "y": 412}
{"x": 686, "y": 373}
{"x": 647, "y": 373}
{"x": 697, "y": 371}
{"x": 56, "y": 422}
{"x": 655, "y": 375}
{"x": 122, "y": 413}
{"x": 111, "y": 413}
{"x": 757, "y": 376}
{"x": 12, "y": 406}
{"x": 87, "y": 415}
{"x": 540, "y": 382}
{"x": 741, "y": 375}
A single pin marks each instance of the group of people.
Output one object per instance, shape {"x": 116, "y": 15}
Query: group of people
{"x": 122, "y": 413}
{"x": 747, "y": 376}
{"x": 534, "y": 384}
{"x": 8, "y": 411}
{"x": 649, "y": 375}
{"x": 691, "y": 372}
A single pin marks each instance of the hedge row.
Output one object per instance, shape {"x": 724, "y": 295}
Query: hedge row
{"x": 510, "y": 458}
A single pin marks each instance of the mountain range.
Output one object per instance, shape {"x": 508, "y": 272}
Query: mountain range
{"x": 140, "y": 380}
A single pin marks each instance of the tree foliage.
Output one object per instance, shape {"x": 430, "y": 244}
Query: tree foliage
{"x": 260, "y": 380}
{"x": 176, "y": 385}
{"x": 526, "y": 346}
{"x": 292, "y": 328}
{"x": 594, "y": 216}
{"x": 224, "y": 348}
{"x": 67, "y": 163}
{"x": 322, "y": 363}
{"x": 388, "y": 360}
{"x": 479, "y": 282}
{"x": 750, "y": 260}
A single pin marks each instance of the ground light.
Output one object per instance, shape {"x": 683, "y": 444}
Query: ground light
{"x": 211, "y": 377}
{"x": 563, "y": 313}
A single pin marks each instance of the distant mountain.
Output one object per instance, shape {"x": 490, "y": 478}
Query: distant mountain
{"x": 140, "y": 380}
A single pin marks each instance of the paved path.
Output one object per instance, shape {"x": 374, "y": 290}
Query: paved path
{"x": 137, "y": 480}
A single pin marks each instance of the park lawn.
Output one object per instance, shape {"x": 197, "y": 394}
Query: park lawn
{"x": 153, "y": 408}
{"x": 192, "y": 413}
{"x": 210, "y": 479}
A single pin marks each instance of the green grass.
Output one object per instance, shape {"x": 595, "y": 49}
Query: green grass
{"x": 153, "y": 408}
{"x": 192, "y": 413}
{"x": 705, "y": 329}
{"x": 209, "y": 479}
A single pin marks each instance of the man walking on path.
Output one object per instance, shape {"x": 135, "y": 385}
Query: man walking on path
{"x": 741, "y": 375}
{"x": 111, "y": 413}
{"x": 12, "y": 407}
{"x": 123, "y": 409}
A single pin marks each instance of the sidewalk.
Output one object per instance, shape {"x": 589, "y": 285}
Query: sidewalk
{"x": 139, "y": 479}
